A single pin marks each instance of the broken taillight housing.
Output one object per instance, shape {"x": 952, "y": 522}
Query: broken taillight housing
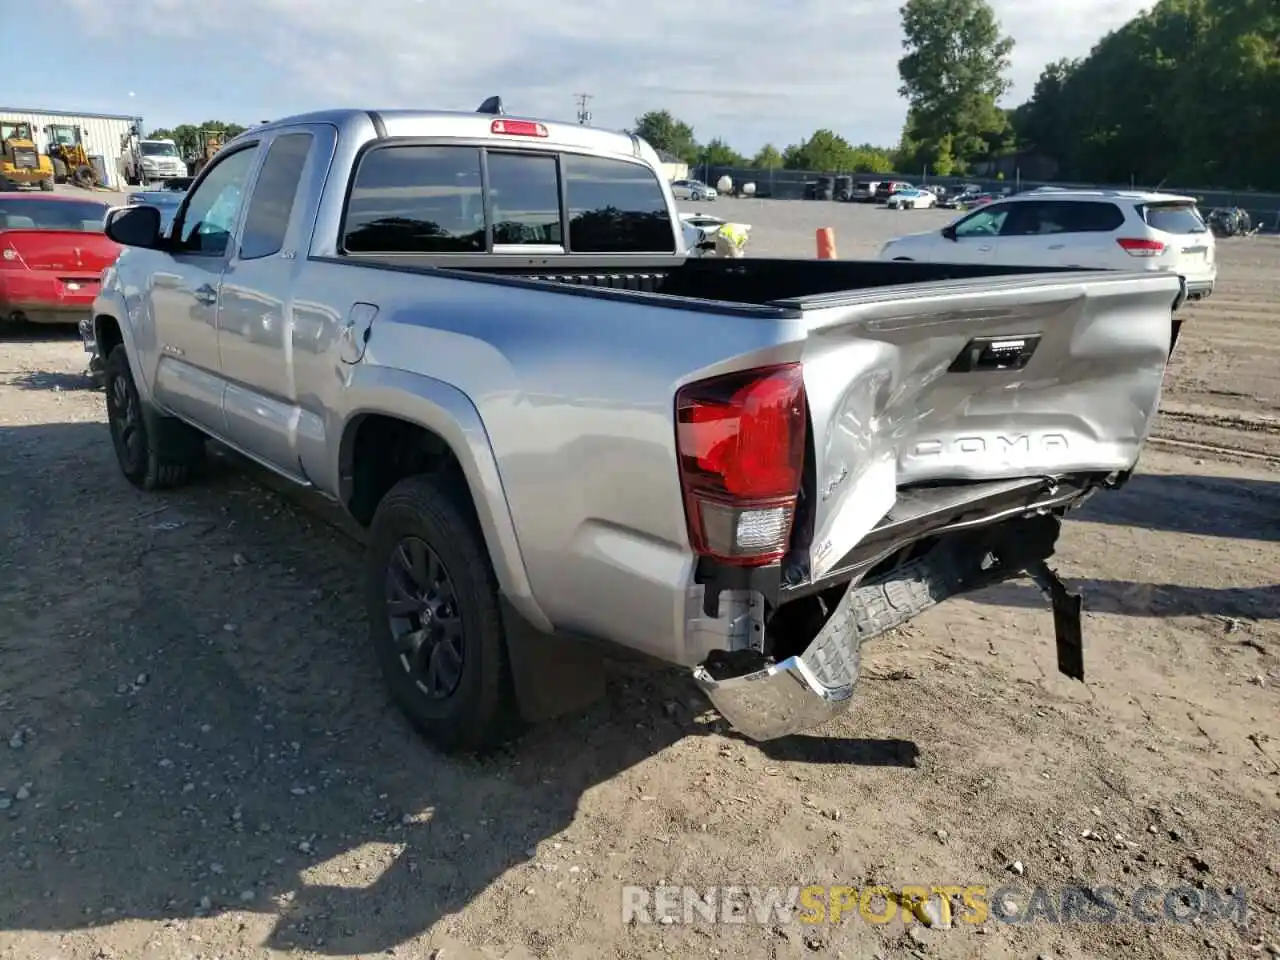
{"x": 740, "y": 439}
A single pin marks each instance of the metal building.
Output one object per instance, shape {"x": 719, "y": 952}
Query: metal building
{"x": 102, "y": 134}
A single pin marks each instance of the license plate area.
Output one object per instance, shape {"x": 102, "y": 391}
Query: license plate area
{"x": 78, "y": 284}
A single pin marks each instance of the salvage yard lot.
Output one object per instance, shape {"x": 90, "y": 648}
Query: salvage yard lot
{"x": 198, "y": 758}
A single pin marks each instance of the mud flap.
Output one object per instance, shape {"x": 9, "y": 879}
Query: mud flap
{"x": 552, "y": 675}
{"x": 1067, "y": 629}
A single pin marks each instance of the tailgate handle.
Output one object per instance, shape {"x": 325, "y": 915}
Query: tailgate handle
{"x": 995, "y": 353}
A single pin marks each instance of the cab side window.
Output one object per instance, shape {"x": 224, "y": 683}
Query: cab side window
{"x": 209, "y": 218}
{"x": 986, "y": 222}
{"x": 416, "y": 199}
{"x": 615, "y": 206}
{"x": 271, "y": 207}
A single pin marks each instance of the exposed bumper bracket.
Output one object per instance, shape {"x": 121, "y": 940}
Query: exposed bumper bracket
{"x": 1068, "y": 633}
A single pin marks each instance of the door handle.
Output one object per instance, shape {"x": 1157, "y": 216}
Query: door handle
{"x": 1058, "y": 246}
{"x": 206, "y": 294}
{"x": 985, "y": 247}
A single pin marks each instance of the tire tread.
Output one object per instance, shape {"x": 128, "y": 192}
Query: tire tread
{"x": 443, "y": 504}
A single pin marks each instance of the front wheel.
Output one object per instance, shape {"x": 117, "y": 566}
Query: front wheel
{"x": 434, "y": 620}
{"x": 154, "y": 452}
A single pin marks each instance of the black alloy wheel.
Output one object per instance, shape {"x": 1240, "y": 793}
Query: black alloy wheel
{"x": 124, "y": 416}
{"x": 423, "y": 616}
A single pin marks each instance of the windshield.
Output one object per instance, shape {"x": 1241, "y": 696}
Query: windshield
{"x": 66, "y": 135}
{"x": 158, "y": 149}
{"x": 15, "y": 131}
{"x": 30, "y": 213}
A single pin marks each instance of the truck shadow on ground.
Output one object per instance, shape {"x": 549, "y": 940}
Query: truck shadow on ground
{"x": 54, "y": 381}
{"x": 1228, "y": 507}
{"x": 1238, "y": 508}
{"x": 1148, "y": 599}
{"x": 187, "y": 694}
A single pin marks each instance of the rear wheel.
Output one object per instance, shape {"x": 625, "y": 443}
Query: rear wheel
{"x": 154, "y": 452}
{"x": 59, "y": 170}
{"x": 47, "y": 185}
{"x": 434, "y": 619}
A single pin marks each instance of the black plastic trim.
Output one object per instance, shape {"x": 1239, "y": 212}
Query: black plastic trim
{"x": 985, "y": 354}
{"x": 715, "y": 576}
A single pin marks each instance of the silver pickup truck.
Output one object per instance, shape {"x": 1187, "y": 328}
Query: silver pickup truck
{"x": 482, "y": 336}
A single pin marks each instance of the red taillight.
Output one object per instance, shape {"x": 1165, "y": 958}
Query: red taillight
{"x": 518, "y": 128}
{"x": 741, "y": 441}
{"x": 1136, "y": 247}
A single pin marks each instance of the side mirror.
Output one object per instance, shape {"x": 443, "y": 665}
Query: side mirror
{"x": 137, "y": 226}
{"x": 949, "y": 232}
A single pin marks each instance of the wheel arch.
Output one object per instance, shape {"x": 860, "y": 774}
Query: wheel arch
{"x": 398, "y": 423}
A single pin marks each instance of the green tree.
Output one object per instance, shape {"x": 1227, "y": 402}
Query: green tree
{"x": 1041, "y": 122}
{"x": 941, "y": 161}
{"x": 871, "y": 159}
{"x": 793, "y": 157}
{"x": 825, "y": 151}
{"x": 953, "y": 75}
{"x": 664, "y": 132}
{"x": 1185, "y": 93}
{"x": 767, "y": 158}
{"x": 717, "y": 153}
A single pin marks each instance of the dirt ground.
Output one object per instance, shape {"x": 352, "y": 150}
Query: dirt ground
{"x": 198, "y": 759}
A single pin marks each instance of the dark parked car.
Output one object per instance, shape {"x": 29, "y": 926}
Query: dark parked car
{"x": 888, "y": 188}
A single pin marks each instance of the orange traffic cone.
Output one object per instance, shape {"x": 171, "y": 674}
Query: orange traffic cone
{"x": 826, "y": 244}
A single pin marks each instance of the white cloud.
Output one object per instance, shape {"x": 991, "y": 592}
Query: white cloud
{"x": 749, "y": 72}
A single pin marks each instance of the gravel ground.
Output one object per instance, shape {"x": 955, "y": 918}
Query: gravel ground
{"x": 198, "y": 759}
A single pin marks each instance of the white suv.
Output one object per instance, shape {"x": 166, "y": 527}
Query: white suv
{"x": 1102, "y": 229}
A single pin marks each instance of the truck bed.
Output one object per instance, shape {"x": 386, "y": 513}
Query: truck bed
{"x": 781, "y": 284}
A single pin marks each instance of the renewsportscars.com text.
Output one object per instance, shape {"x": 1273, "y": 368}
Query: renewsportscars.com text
{"x": 969, "y": 903}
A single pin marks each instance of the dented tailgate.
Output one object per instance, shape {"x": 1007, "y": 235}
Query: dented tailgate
{"x": 976, "y": 380}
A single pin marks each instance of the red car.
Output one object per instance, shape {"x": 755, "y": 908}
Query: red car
{"x": 52, "y": 254}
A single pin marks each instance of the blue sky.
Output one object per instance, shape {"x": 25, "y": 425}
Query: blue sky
{"x": 751, "y": 71}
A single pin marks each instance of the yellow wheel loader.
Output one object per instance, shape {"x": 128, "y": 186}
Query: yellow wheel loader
{"x": 210, "y": 142}
{"x": 69, "y": 157}
{"x": 20, "y": 161}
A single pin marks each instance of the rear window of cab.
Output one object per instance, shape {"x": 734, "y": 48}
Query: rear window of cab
{"x": 433, "y": 199}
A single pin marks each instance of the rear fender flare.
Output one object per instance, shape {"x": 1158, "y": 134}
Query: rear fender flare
{"x": 449, "y": 413}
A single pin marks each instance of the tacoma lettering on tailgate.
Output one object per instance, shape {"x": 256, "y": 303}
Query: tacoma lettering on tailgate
{"x": 1000, "y": 444}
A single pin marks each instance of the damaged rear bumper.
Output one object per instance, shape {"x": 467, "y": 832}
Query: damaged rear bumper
{"x": 778, "y": 700}
{"x": 765, "y": 700}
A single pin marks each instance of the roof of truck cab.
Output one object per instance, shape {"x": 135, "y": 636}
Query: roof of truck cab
{"x": 470, "y": 125}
